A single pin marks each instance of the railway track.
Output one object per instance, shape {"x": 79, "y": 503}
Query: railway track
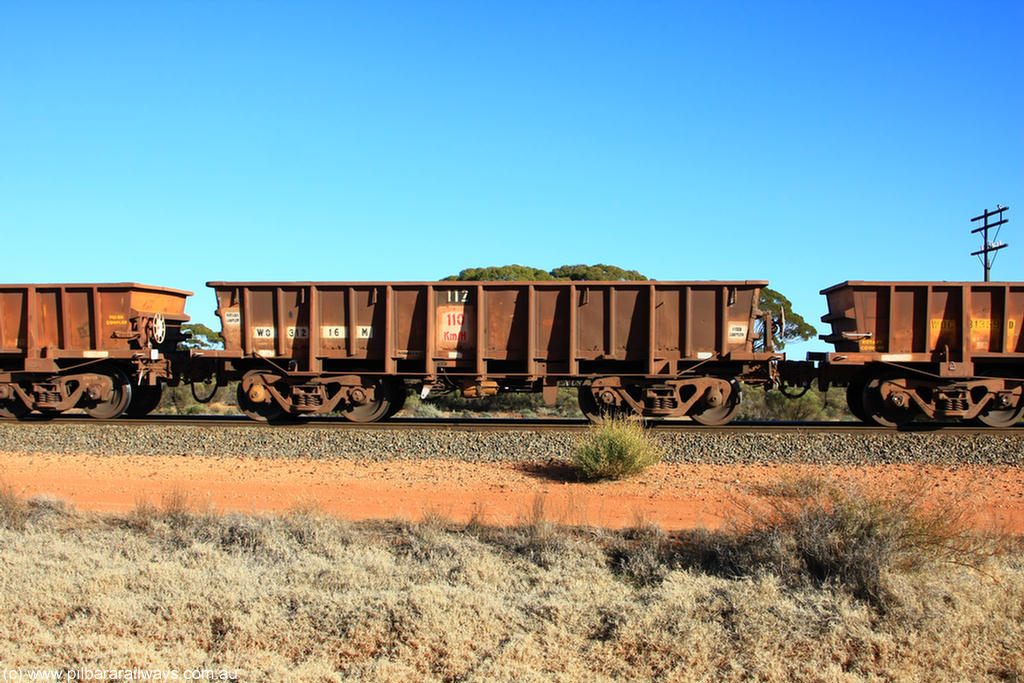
{"x": 515, "y": 424}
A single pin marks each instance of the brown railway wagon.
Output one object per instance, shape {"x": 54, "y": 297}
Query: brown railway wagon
{"x": 656, "y": 349}
{"x": 948, "y": 350}
{"x": 101, "y": 347}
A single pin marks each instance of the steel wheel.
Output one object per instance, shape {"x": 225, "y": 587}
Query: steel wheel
{"x": 145, "y": 399}
{"x": 14, "y": 408}
{"x": 718, "y": 415}
{"x": 374, "y": 409}
{"x": 855, "y": 400}
{"x": 260, "y": 411}
{"x": 596, "y": 412}
{"x": 117, "y": 401}
{"x": 883, "y": 411}
{"x": 1004, "y": 417}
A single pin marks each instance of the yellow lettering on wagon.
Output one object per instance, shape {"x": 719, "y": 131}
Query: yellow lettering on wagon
{"x": 987, "y": 324}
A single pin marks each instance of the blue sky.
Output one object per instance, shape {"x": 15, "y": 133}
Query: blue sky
{"x": 803, "y": 143}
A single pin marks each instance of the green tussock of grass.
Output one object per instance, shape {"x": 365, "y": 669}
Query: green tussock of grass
{"x": 615, "y": 448}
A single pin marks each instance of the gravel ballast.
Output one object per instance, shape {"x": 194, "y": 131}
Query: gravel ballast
{"x": 711, "y": 447}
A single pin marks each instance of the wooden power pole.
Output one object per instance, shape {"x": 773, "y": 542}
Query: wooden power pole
{"x": 989, "y": 245}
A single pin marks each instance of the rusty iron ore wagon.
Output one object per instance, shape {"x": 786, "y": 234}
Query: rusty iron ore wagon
{"x": 106, "y": 348}
{"x": 947, "y": 350}
{"x": 653, "y": 349}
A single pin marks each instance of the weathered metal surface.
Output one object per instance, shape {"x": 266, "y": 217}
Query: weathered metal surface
{"x": 940, "y": 322}
{"x": 947, "y": 350}
{"x": 493, "y": 328}
{"x": 86, "y": 345}
{"x": 318, "y": 346}
{"x": 84, "y": 320}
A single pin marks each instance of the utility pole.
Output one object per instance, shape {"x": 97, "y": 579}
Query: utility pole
{"x": 988, "y": 246}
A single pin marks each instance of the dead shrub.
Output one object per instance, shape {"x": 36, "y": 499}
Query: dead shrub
{"x": 854, "y": 537}
{"x": 49, "y": 506}
{"x": 436, "y": 519}
{"x": 429, "y": 541}
{"x": 142, "y": 516}
{"x": 307, "y": 525}
{"x": 14, "y": 510}
{"x": 241, "y": 532}
{"x": 536, "y": 537}
{"x": 643, "y": 555}
{"x": 176, "y": 509}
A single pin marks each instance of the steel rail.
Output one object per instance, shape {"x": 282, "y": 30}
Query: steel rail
{"x": 512, "y": 425}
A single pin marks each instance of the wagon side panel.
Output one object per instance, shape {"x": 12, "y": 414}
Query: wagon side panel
{"x": 669, "y": 325}
{"x": 1014, "y": 319}
{"x": 937, "y": 322}
{"x": 81, "y": 319}
{"x": 409, "y": 322}
{"x": 13, "y": 320}
{"x": 702, "y": 317}
{"x": 555, "y": 334}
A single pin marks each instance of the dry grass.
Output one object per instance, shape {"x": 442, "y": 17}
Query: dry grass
{"x": 811, "y": 528}
{"x": 13, "y": 509}
{"x": 615, "y": 448}
{"x": 304, "y": 597}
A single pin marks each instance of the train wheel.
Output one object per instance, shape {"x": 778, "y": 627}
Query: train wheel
{"x": 115, "y": 403}
{"x": 373, "y": 409}
{"x": 720, "y": 414}
{"x": 13, "y": 408}
{"x": 855, "y": 400}
{"x": 145, "y": 399}
{"x": 1005, "y": 417}
{"x": 717, "y": 416}
{"x": 885, "y": 401}
{"x": 597, "y": 412}
{"x": 249, "y": 391}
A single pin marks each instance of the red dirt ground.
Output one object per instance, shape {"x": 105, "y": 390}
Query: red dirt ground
{"x": 674, "y": 496}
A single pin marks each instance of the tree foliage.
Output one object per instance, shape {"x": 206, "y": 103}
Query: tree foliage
{"x": 512, "y": 272}
{"x": 599, "y": 271}
{"x": 201, "y": 337}
{"x": 814, "y": 406}
{"x": 789, "y": 325}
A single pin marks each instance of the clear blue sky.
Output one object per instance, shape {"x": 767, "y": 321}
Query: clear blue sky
{"x": 803, "y": 143}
